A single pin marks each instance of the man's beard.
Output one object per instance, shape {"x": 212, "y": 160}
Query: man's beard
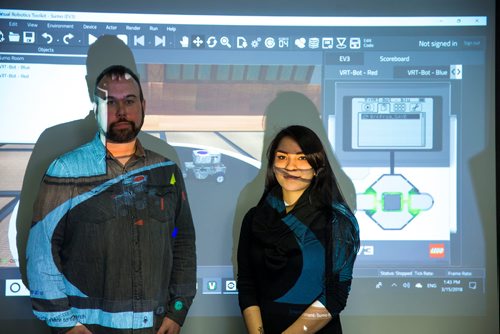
{"x": 122, "y": 135}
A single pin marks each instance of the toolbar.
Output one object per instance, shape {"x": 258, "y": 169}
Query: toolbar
{"x": 153, "y": 36}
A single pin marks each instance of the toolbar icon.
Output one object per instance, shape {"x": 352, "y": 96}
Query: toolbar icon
{"x": 160, "y": 41}
{"x": 327, "y": 43}
{"x": 211, "y": 41}
{"x": 184, "y": 42}
{"x": 2, "y": 37}
{"x": 123, "y": 38}
{"x": 212, "y": 286}
{"x": 355, "y": 43}
{"x": 313, "y": 43}
{"x": 241, "y": 42}
{"x": 300, "y": 42}
{"x": 48, "y": 37}
{"x": 138, "y": 40}
{"x": 230, "y": 285}
{"x": 67, "y": 38}
{"x": 91, "y": 39}
{"x": 197, "y": 41}
{"x": 283, "y": 42}
{"x": 256, "y": 42}
{"x": 341, "y": 43}
{"x": 14, "y": 37}
{"x": 269, "y": 42}
{"x": 224, "y": 41}
{"x": 29, "y": 37}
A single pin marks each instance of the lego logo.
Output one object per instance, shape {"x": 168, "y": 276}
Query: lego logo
{"x": 436, "y": 250}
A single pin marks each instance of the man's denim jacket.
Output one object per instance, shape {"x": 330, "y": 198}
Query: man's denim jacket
{"x": 111, "y": 246}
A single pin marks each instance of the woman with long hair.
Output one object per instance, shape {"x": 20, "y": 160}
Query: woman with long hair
{"x": 298, "y": 245}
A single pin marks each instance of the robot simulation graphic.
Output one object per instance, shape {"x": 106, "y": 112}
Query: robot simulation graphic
{"x": 204, "y": 164}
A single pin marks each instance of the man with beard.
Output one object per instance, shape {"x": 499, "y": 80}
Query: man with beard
{"x": 112, "y": 245}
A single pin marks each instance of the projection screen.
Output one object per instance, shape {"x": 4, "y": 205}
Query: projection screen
{"x": 405, "y": 102}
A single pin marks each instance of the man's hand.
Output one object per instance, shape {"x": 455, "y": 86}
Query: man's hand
{"x": 168, "y": 326}
{"x": 80, "y": 329}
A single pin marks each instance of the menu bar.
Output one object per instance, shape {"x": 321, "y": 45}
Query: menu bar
{"x": 232, "y": 20}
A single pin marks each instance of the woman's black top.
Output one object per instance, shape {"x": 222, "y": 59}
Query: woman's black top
{"x": 282, "y": 259}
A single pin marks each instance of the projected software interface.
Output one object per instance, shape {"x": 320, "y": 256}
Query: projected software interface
{"x": 396, "y": 101}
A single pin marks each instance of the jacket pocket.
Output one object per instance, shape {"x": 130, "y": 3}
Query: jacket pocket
{"x": 162, "y": 202}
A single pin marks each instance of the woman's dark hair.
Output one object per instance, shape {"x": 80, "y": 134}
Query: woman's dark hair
{"x": 324, "y": 188}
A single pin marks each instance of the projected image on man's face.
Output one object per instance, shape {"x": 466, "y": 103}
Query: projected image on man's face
{"x": 120, "y": 108}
